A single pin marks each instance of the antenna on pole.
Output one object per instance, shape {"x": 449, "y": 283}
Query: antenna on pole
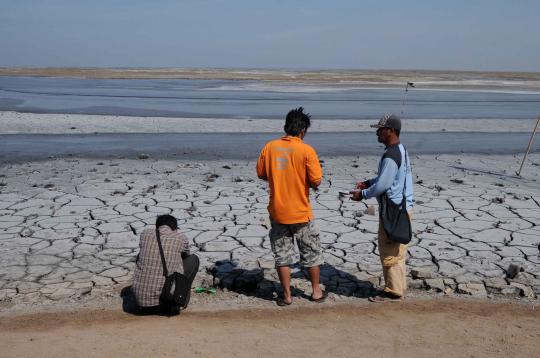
{"x": 409, "y": 84}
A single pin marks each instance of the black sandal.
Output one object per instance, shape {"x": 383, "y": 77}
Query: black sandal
{"x": 385, "y": 297}
{"x": 280, "y": 301}
{"x": 320, "y": 299}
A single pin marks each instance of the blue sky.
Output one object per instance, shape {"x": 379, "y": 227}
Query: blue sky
{"x": 462, "y": 35}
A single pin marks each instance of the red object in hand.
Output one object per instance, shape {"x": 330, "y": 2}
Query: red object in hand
{"x": 361, "y": 185}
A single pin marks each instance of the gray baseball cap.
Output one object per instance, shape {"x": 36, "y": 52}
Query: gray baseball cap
{"x": 388, "y": 121}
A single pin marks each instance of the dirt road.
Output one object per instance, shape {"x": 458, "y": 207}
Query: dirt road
{"x": 417, "y": 328}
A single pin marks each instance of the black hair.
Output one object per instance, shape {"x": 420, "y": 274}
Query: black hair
{"x": 297, "y": 121}
{"x": 397, "y": 132}
{"x": 168, "y": 220}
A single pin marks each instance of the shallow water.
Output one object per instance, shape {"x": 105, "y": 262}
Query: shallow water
{"x": 252, "y": 99}
{"x": 16, "y": 148}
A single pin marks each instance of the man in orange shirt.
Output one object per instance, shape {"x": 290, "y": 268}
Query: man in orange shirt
{"x": 291, "y": 167}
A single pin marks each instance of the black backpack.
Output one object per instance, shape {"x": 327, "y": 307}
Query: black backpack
{"x": 175, "y": 290}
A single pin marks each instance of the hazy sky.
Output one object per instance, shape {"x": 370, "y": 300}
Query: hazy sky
{"x": 360, "y": 34}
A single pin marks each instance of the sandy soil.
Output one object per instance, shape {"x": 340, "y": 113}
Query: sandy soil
{"x": 416, "y": 328}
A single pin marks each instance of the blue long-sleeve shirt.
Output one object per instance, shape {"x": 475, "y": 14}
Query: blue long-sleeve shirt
{"x": 391, "y": 177}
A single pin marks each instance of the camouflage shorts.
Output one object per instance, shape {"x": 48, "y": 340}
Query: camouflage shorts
{"x": 307, "y": 238}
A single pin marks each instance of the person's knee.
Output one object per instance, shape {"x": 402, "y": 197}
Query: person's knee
{"x": 196, "y": 261}
{"x": 191, "y": 266}
{"x": 283, "y": 260}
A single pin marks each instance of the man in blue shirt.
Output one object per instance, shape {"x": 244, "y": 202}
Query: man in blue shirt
{"x": 394, "y": 176}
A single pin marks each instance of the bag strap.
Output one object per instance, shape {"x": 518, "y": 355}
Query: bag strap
{"x": 406, "y": 166}
{"x": 405, "y": 180}
{"x": 165, "y": 271}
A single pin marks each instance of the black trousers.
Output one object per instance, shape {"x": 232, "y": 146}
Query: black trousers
{"x": 191, "y": 267}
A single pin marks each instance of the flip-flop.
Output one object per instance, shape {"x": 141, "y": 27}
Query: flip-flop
{"x": 320, "y": 299}
{"x": 280, "y": 301}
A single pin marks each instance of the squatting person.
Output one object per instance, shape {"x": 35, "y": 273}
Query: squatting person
{"x": 394, "y": 172}
{"x": 291, "y": 168}
{"x": 148, "y": 279}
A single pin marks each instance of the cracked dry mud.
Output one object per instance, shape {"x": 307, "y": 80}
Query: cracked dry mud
{"x": 69, "y": 227}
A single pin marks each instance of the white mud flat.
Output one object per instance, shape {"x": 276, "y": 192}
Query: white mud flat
{"x": 69, "y": 228}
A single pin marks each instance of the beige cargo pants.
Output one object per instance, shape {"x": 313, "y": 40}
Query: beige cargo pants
{"x": 393, "y": 256}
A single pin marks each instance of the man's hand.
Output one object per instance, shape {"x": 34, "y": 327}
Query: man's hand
{"x": 361, "y": 185}
{"x": 356, "y": 195}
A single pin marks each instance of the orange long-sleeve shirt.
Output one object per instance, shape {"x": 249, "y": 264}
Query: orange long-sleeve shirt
{"x": 291, "y": 168}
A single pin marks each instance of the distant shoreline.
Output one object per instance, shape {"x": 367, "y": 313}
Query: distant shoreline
{"x": 397, "y": 78}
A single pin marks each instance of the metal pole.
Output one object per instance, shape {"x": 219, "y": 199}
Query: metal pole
{"x": 403, "y": 98}
{"x": 528, "y": 147}
{"x": 407, "y": 85}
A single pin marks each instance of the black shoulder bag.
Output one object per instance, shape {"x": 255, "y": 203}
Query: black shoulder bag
{"x": 395, "y": 219}
{"x": 176, "y": 288}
